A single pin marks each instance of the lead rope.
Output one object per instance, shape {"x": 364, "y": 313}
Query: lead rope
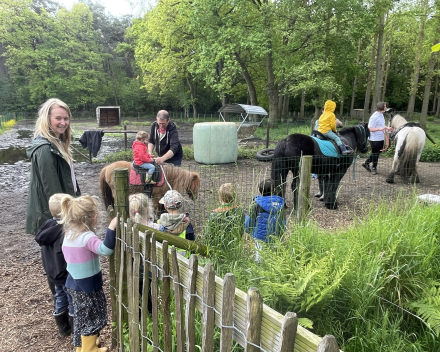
{"x": 165, "y": 177}
{"x": 387, "y": 142}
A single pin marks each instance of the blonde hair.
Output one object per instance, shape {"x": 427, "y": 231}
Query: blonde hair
{"x": 141, "y": 208}
{"x": 78, "y": 215}
{"x": 55, "y": 204}
{"x": 43, "y": 127}
{"x": 227, "y": 193}
{"x": 141, "y": 135}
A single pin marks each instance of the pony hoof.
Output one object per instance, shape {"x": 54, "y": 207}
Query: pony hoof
{"x": 318, "y": 195}
{"x": 389, "y": 180}
{"x": 331, "y": 205}
{"x": 321, "y": 199}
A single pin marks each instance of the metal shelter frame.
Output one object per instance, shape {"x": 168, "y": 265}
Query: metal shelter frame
{"x": 244, "y": 111}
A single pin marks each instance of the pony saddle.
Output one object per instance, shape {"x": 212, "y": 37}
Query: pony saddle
{"x": 138, "y": 175}
{"x": 327, "y": 146}
{"x": 323, "y": 137}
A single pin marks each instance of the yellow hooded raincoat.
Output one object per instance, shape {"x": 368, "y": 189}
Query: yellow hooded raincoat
{"x": 327, "y": 121}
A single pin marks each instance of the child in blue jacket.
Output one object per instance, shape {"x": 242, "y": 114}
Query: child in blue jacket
{"x": 266, "y": 216}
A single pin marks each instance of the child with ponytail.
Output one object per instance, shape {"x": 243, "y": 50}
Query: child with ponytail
{"x": 81, "y": 249}
{"x": 141, "y": 211}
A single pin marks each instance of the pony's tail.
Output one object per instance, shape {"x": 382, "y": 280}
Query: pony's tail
{"x": 106, "y": 191}
{"x": 408, "y": 152}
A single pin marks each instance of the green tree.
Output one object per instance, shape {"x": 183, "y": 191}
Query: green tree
{"x": 52, "y": 54}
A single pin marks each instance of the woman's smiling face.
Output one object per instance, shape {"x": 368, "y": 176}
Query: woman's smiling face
{"x": 59, "y": 120}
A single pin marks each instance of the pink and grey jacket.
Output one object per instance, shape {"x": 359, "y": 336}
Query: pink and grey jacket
{"x": 82, "y": 257}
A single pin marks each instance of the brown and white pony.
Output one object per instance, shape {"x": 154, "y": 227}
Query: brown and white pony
{"x": 181, "y": 180}
{"x": 410, "y": 141}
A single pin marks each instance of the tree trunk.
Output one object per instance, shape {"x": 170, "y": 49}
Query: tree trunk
{"x": 286, "y": 107}
{"x": 272, "y": 92}
{"x": 369, "y": 81}
{"x": 192, "y": 92}
{"x": 387, "y": 70}
{"x": 353, "y": 92}
{"x": 379, "y": 72}
{"x": 247, "y": 77}
{"x": 416, "y": 72}
{"x": 427, "y": 92}
{"x": 341, "y": 107}
{"x": 435, "y": 101}
{"x": 303, "y": 100}
{"x": 113, "y": 80}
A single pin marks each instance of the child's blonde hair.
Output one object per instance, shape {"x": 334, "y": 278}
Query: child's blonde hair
{"x": 78, "y": 215}
{"x": 141, "y": 135}
{"x": 227, "y": 193}
{"x": 55, "y": 204}
{"x": 140, "y": 207}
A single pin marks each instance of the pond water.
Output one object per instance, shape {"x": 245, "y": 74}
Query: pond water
{"x": 13, "y": 144}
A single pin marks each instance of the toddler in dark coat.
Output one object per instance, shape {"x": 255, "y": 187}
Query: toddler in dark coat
{"x": 50, "y": 238}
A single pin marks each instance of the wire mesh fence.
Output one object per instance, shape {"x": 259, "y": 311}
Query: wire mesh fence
{"x": 356, "y": 188}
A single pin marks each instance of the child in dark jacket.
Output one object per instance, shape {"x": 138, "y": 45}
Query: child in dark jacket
{"x": 266, "y": 216}
{"x": 50, "y": 238}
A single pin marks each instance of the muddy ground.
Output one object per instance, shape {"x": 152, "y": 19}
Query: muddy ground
{"x": 26, "y": 321}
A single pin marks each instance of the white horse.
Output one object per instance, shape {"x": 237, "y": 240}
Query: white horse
{"x": 410, "y": 141}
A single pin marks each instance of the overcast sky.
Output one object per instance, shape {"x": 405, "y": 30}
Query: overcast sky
{"x": 114, "y": 7}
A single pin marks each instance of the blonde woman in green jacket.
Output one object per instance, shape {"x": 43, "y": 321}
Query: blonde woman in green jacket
{"x": 52, "y": 169}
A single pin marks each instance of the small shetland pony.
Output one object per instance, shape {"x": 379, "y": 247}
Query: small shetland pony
{"x": 331, "y": 170}
{"x": 181, "y": 180}
{"x": 410, "y": 141}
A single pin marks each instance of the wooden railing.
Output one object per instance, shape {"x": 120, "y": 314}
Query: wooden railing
{"x": 241, "y": 317}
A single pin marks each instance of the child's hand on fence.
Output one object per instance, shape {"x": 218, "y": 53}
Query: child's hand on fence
{"x": 112, "y": 225}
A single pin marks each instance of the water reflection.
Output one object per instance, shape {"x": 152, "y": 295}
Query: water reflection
{"x": 12, "y": 154}
{"x": 25, "y": 134}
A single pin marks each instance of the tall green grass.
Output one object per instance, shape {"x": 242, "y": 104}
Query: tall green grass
{"x": 374, "y": 285}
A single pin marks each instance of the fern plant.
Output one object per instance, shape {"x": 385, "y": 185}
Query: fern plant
{"x": 428, "y": 308}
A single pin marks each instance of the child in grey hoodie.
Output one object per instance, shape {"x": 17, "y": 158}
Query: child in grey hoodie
{"x": 174, "y": 221}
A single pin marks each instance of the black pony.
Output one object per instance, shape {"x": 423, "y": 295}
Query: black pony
{"x": 331, "y": 170}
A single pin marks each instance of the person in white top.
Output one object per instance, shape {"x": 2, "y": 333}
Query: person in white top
{"x": 377, "y": 128}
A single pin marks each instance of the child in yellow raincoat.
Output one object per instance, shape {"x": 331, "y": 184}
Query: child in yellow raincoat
{"x": 327, "y": 126}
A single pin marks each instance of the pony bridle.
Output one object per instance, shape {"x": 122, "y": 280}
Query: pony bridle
{"x": 364, "y": 146}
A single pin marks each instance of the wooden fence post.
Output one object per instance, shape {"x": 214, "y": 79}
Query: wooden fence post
{"x": 191, "y": 304}
{"x": 254, "y": 313}
{"x": 122, "y": 293}
{"x": 166, "y": 299}
{"x": 121, "y": 191}
{"x": 208, "y": 310}
{"x": 288, "y": 332}
{"x": 129, "y": 271}
{"x": 114, "y": 283}
{"x": 227, "y": 312}
{"x": 135, "y": 290}
{"x": 328, "y": 344}
{"x": 146, "y": 290}
{"x": 178, "y": 299}
{"x": 154, "y": 294}
{"x": 304, "y": 187}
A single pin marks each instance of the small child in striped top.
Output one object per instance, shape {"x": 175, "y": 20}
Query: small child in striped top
{"x": 81, "y": 249}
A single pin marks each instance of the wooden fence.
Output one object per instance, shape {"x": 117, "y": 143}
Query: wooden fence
{"x": 228, "y": 315}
